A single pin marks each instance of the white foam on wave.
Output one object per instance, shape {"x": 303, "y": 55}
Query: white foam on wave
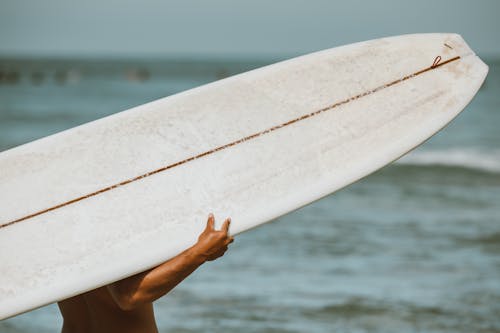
{"x": 471, "y": 158}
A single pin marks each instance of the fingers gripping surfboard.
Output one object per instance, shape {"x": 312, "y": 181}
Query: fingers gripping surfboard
{"x": 105, "y": 200}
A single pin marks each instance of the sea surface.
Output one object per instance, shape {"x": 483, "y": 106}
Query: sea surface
{"x": 415, "y": 247}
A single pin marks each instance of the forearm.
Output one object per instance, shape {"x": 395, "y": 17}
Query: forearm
{"x": 148, "y": 286}
{"x": 165, "y": 277}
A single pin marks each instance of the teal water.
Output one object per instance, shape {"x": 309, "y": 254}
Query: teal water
{"x": 414, "y": 247}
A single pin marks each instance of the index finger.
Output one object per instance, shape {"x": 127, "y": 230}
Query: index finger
{"x": 210, "y": 222}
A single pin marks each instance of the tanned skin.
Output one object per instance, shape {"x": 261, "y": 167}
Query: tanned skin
{"x": 126, "y": 306}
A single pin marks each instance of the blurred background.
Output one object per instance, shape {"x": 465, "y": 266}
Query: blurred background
{"x": 412, "y": 248}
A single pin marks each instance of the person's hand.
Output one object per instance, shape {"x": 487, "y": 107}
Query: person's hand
{"x": 212, "y": 243}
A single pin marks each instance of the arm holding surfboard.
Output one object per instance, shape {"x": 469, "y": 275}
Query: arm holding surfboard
{"x": 126, "y": 305}
{"x": 148, "y": 286}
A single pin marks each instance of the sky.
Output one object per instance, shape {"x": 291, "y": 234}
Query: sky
{"x": 231, "y": 28}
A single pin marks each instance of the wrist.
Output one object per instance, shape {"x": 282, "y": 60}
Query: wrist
{"x": 197, "y": 254}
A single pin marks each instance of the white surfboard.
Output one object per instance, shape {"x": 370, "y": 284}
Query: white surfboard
{"x": 102, "y": 201}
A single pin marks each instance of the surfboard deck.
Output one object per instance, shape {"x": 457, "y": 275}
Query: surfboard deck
{"x": 105, "y": 200}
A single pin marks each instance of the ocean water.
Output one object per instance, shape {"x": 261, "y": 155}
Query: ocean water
{"x": 415, "y": 247}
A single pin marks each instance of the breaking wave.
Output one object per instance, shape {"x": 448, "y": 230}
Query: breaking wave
{"x": 469, "y": 158}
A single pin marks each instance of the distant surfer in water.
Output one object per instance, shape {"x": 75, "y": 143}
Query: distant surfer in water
{"x": 127, "y": 305}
